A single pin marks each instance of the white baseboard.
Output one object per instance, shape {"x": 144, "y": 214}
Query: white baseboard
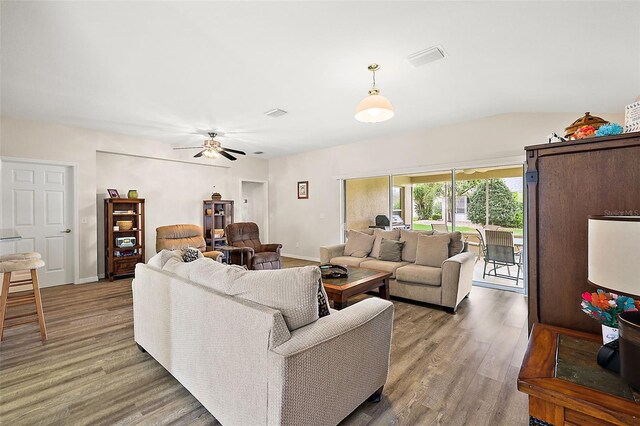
{"x": 297, "y": 256}
{"x": 87, "y": 280}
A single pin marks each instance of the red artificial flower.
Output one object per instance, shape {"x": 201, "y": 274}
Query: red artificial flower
{"x": 587, "y": 296}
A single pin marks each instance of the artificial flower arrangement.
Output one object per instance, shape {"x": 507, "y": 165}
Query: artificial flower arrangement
{"x": 585, "y": 132}
{"x": 605, "y": 307}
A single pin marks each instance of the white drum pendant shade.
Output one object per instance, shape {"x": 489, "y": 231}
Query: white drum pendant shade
{"x": 374, "y": 109}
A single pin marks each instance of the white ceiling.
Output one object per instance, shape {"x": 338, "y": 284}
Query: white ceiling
{"x": 162, "y": 70}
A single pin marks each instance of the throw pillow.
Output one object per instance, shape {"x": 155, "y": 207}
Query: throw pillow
{"x": 293, "y": 292}
{"x": 394, "y": 234}
{"x": 190, "y": 254}
{"x": 432, "y": 250}
{"x": 410, "y": 239}
{"x": 391, "y": 250}
{"x": 323, "y": 301}
{"x": 358, "y": 244}
{"x": 456, "y": 245}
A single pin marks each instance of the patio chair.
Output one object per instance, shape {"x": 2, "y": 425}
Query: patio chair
{"x": 500, "y": 252}
{"x": 440, "y": 227}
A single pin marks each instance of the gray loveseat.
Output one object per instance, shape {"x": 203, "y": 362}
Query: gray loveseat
{"x": 446, "y": 284}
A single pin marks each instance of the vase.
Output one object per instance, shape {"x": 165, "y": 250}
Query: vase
{"x": 609, "y": 334}
{"x": 133, "y": 193}
{"x": 216, "y": 196}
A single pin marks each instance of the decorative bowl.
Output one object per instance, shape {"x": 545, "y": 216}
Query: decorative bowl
{"x": 125, "y": 225}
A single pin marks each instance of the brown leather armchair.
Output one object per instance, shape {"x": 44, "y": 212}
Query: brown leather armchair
{"x": 178, "y": 237}
{"x": 257, "y": 255}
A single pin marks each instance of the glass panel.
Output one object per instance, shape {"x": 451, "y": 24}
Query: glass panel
{"x": 427, "y": 200}
{"x": 366, "y": 199}
{"x": 576, "y": 363}
{"x": 491, "y": 199}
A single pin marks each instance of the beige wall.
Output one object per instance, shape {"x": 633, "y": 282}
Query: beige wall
{"x": 365, "y": 199}
{"x": 488, "y": 141}
{"x": 42, "y": 141}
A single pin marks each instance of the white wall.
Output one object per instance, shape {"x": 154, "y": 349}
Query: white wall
{"x": 315, "y": 222}
{"x": 42, "y": 141}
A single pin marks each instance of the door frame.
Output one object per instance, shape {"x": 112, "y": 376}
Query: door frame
{"x": 75, "y": 241}
{"x": 265, "y": 185}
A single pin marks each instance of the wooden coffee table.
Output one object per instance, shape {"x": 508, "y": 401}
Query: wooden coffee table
{"x": 360, "y": 280}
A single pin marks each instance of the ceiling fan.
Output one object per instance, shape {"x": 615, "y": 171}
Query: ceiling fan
{"x": 211, "y": 148}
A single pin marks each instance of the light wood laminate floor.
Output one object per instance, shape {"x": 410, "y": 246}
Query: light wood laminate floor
{"x": 445, "y": 369}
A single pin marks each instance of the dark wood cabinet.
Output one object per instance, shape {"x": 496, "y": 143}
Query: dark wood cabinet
{"x": 121, "y": 252}
{"x": 216, "y": 215}
{"x": 566, "y": 183}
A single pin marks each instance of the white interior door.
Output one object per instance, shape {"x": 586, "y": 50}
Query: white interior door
{"x": 254, "y": 206}
{"x": 37, "y": 202}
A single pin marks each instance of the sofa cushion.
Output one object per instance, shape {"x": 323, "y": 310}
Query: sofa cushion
{"x": 432, "y": 250}
{"x": 420, "y": 274}
{"x": 383, "y": 266}
{"x": 293, "y": 291}
{"x": 456, "y": 245}
{"x": 410, "y": 239}
{"x": 160, "y": 259}
{"x": 358, "y": 244}
{"x": 391, "y": 250}
{"x": 379, "y": 234}
{"x": 348, "y": 260}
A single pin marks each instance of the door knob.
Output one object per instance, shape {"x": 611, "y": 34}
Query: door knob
{"x": 66, "y": 231}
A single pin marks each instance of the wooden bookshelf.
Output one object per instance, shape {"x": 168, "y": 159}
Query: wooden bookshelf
{"x": 121, "y": 261}
{"x": 216, "y": 214}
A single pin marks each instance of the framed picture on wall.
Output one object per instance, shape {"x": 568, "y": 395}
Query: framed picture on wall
{"x": 113, "y": 193}
{"x": 303, "y": 189}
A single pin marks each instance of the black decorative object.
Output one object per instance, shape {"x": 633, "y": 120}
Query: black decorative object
{"x": 630, "y": 347}
{"x": 609, "y": 357}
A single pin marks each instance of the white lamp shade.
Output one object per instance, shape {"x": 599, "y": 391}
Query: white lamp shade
{"x": 614, "y": 253}
{"x": 374, "y": 109}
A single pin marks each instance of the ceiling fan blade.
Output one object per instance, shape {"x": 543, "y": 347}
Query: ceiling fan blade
{"x": 200, "y": 153}
{"x": 229, "y": 156}
{"x": 189, "y": 147}
{"x": 235, "y": 151}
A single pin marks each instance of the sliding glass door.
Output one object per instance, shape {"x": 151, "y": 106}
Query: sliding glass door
{"x": 485, "y": 204}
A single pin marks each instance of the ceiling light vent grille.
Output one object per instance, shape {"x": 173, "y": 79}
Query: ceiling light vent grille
{"x": 275, "y": 113}
{"x": 425, "y": 56}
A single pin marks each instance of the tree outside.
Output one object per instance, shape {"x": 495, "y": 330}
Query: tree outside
{"x": 504, "y": 208}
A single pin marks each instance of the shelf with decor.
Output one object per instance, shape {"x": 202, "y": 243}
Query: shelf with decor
{"x": 216, "y": 215}
{"x": 124, "y": 248}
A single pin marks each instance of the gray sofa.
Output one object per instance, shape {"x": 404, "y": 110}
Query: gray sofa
{"x": 250, "y": 345}
{"x": 446, "y": 285}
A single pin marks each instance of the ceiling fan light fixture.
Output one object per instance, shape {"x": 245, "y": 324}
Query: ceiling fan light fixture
{"x": 375, "y": 107}
{"x": 211, "y": 153}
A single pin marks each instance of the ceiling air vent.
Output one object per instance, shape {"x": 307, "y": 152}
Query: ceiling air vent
{"x": 425, "y": 56}
{"x": 275, "y": 113}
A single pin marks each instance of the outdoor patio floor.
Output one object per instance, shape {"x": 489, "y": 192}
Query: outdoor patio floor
{"x": 490, "y": 279}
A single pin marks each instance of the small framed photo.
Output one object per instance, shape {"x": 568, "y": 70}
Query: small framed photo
{"x": 303, "y": 189}
{"x": 113, "y": 193}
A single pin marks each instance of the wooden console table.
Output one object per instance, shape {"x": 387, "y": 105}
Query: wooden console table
{"x": 567, "y": 387}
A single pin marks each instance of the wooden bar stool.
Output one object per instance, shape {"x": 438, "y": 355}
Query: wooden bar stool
{"x": 15, "y": 264}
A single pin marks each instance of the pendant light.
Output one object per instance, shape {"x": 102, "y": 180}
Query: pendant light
{"x": 375, "y": 107}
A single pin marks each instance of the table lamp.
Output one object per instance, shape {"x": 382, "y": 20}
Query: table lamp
{"x": 614, "y": 264}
